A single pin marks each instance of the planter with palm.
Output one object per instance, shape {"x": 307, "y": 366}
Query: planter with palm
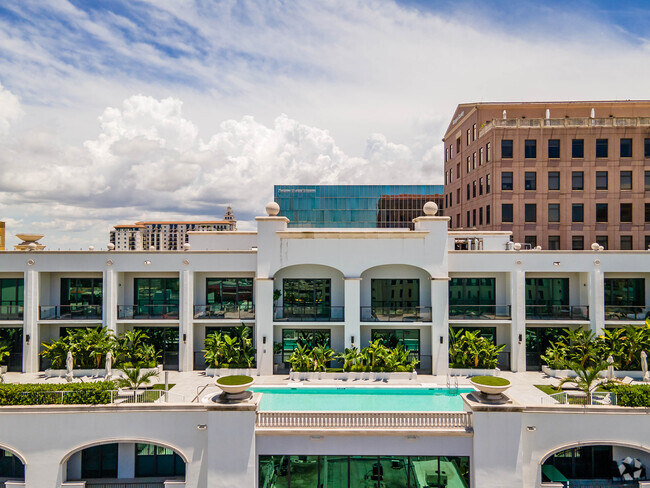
{"x": 135, "y": 378}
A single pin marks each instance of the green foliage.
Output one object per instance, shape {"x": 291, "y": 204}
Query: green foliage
{"x": 583, "y": 347}
{"x": 95, "y": 393}
{"x": 304, "y": 359}
{"x": 631, "y": 395}
{"x": 234, "y": 380}
{"x": 587, "y": 377}
{"x": 468, "y": 349}
{"x": 277, "y": 293}
{"x": 232, "y": 350}
{"x": 135, "y": 378}
{"x": 490, "y": 381}
{"x": 277, "y": 348}
{"x": 5, "y": 351}
{"x": 133, "y": 350}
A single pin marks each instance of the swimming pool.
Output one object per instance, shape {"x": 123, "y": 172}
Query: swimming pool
{"x": 351, "y": 399}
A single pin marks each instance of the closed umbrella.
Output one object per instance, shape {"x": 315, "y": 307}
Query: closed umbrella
{"x": 644, "y": 366}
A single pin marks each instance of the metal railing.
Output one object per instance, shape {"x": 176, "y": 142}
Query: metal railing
{"x": 630, "y": 312}
{"x": 144, "y": 312}
{"x": 365, "y": 420}
{"x": 309, "y": 313}
{"x": 11, "y": 312}
{"x": 580, "y": 398}
{"x": 70, "y": 312}
{"x": 217, "y": 312}
{"x": 479, "y": 312}
{"x": 557, "y": 312}
{"x": 395, "y": 314}
{"x": 125, "y": 484}
{"x": 70, "y": 397}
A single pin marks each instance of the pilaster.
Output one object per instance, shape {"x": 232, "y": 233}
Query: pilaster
{"x": 31, "y": 339}
{"x": 352, "y": 288}
{"x": 597, "y": 300}
{"x": 518, "y": 327}
{"x": 440, "y": 325}
{"x": 264, "y": 325}
{"x": 185, "y": 323}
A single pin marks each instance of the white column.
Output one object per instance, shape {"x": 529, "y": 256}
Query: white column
{"x": 597, "y": 300}
{"x": 30, "y": 324}
{"x": 126, "y": 460}
{"x": 264, "y": 325}
{"x": 440, "y": 326}
{"x": 352, "y": 312}
{"x": 109, "y": 305}
{"x": 186, "y": 317}
{"x": 518, "y": 327}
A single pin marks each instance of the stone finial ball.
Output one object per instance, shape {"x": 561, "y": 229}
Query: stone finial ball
{"x": 110, "y": 246}
{"x": 517, "y": 246}
{"x": 187, "y": 246}
{"x": 272, "y": 209}
{"x": 430, "y": 208}
{"x": 595, "y": 246}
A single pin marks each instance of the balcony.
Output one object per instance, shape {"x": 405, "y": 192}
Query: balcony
{"x": 308, "y": 313}
{"x": 557, "y": 312}
{"x": 395, "y": 314}
{"x": 70, "y": 312}
{"x": 147, "y": 312}
{"x": 629, "y": 312}
{"x": 219, "y": 312}
{"x": 11, "y": 312}
{"x": 479, "y": 312}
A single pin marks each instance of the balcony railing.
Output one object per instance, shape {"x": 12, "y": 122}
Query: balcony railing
{"x": 521, "y": 123}
{"x": 219, "y": 312}
{"x": 365, "y": 420}
{"x": 309, "y": 313}
{"x": 70, "y": 312}
{"x": 11, "y": 312}
{"x": 479, "y": 312}
{"x": 557, "y": 312}
{"x": 633, "y": 312}
{"x": 395, "y": 314}
{"x": 145, "y": 312}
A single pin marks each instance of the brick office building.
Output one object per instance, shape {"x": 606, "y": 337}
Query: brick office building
{"x": 561, "y": 175}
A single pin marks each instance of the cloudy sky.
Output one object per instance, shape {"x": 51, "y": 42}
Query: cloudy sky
{"x": 125, "y": 110}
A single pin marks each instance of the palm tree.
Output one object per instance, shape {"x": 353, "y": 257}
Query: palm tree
{"x": 135, "y": 378}
{"x": 587, "y": 377}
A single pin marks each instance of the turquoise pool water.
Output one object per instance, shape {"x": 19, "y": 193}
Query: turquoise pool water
{"x": 361, "y": 399}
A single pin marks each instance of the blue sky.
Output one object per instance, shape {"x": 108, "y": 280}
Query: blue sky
{"x": 117, "y": 111}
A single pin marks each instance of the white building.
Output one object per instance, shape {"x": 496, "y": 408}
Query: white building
{"x": 346, "y": 284}
{"x": 165, "y": 235}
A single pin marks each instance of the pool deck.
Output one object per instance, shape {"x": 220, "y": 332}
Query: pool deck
{"x": 188, "y": 384}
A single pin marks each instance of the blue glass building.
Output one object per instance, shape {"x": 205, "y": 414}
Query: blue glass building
{"x": 379, "y": 206}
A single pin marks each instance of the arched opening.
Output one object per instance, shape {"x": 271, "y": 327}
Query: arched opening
{"x": 11, "y": 467}
{"x": 108, "y": 463}
{"x": 604, "y": 465}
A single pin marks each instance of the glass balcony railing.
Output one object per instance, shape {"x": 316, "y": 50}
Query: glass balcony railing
{"x": 70, "y": 312}
{"x": 479, "y": 312}
{"x": 147, "y": 312}
{"x": 557, "y": 312}
{"x": 630, "y": 312}
{"x": 309, "y": 313}
{"x": 11, "y": 312}
{"x": 217, "y": 312}
{"x": 395, "y": 314}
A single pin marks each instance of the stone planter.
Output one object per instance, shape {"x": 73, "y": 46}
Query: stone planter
{"x": 350, "y": 376}
{"x": 94, "y": 373}
{"x": 563, "y": 373}
{"x": 490, "y": 389}
{"x": 474, "y": 372}
{"x": 236, "y": 389}
{"x": 230, "y": 371}
{"x": 3, "y": 369}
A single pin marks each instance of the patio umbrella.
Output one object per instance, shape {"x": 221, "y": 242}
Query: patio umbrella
{"x": 68, "y": 367}
{"x": 610, "y": 368}
{"x": 109, "y": 365}
{"x": 644, "y": 366}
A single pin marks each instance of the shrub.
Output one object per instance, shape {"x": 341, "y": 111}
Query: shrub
{"x": 232, "y": 350}
{"x": 631, "y": 395}
{"x": 96, "y": 393}
{"x": 468, "y": 349}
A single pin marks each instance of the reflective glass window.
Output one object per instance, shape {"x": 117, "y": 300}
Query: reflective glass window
{"x": 506, "y": 149}
{"x": 99, "y": 461}
{"x": 578, "y": 148}
{"x": 601, "y": 148}
{"x": 626, "y": 148}
{"x": 553, "y": 148}
{"x": 601, "y": 180}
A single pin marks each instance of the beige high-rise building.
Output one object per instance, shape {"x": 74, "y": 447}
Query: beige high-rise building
{"x": 560, "y": 175}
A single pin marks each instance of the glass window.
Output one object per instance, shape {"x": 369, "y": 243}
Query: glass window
{"x": 553, "y": 148}
{"x": 601, "y": 148}
{"x": 230, "y": 293}
{"x": 626, "y": 243}
{"x": 409, "y": 339}
{"x": 583, "y": 463}
{"x": 578, "y": 148}
{"x": 647, "y": 180}
{"x": 151, "y": 460}
{"x": 474, "y": 160}
{"x": 601, "y": 212}
{"x": 577, "y": 243}
{"x": 530, "y": 212}
{"x": 480, "y": 186}
{"x": 487, "y": 215}
{"x": 474, "y": 189}
{"x": 480, "y": 156}
{"x": 506, "y": 180}
{"x": 626, "y": 148}
{"x": 468, "y": 192}
{"x": 530, "y": 148}
{"x": 488, "y": 183}
{"x": 99, "y": 461}
{"x": 11, "y": 466}
{"x": 474, "y": 132}
{"x": 646, "y": 148}
{"x": 553, "y": 180}
{"x": 488, "y": 152}
{"x": 625, "y": 291}
{"x": 647, "y": 212}
{"x": 156, "y": 291}
{"x": 506, "y": 149}
{"x": 626, "y": 180}
{"x": 626, "y": 212}
{"x": 12, "y": 291}
{"x": 553, "y": 212}
{"x": 601, "y": 180}
{"x": 531, "y": 241}
{"x": 530, "y": 180}
{"x": 603, "y": 241}
{"x": 547, "y": 291}
{"x": 577, "y": 212}
{"x": 506, "y": 212}
{"x": 292, "y": 338}
{"x": 554, "y": 243}
{"x": 469, "y": 137}
{"x": 395, "y": 292}
{"x": 474, "y": 217}
{"x": 307, "y": 296}
{"x": 81, "y": 291}
{"x": 468, "y": 165}
{"x": 577, "y": 180}
{"x": 647, "y": 242}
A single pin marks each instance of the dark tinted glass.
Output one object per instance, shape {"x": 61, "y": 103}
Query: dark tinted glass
{"x": 530, "y": 180}
{"x": 553, "y": 212}
{"x": 601, "y": 180}
{"x": 647, "y": 180}
{"x": 601, "y": 148}
{"x": 646, "y": 148}
{"x": 530, "y": 210}
{"x": 577, "y": 243}
{"x": 553, "y": 148}
{"x": 506, "y": 180}
{"x": 578, "y": 180}
{"x": 578, "y": 148}
{"x": 506, "y": 148}
{"x": 530, "y": 148}
{"x": 531, "y": 241}
{"x": 554, "y": 243}
{"x": 626, "y": 180}
{"x": 603, "y": 241}
{"x": 647, "y": 212}
{"x": 554, "y": 180}
{"x": 626, "y": 243}
{"x": 626, "y": 212}
{"x": 506, "y": 212}
{"x": 626, "y": 148}
{"x": 577, "y": 212}
{"x": 601, "y": 212}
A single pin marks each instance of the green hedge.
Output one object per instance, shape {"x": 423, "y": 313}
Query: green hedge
{"x": 95, "y": 393}
{"x": 631, "y": 395}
